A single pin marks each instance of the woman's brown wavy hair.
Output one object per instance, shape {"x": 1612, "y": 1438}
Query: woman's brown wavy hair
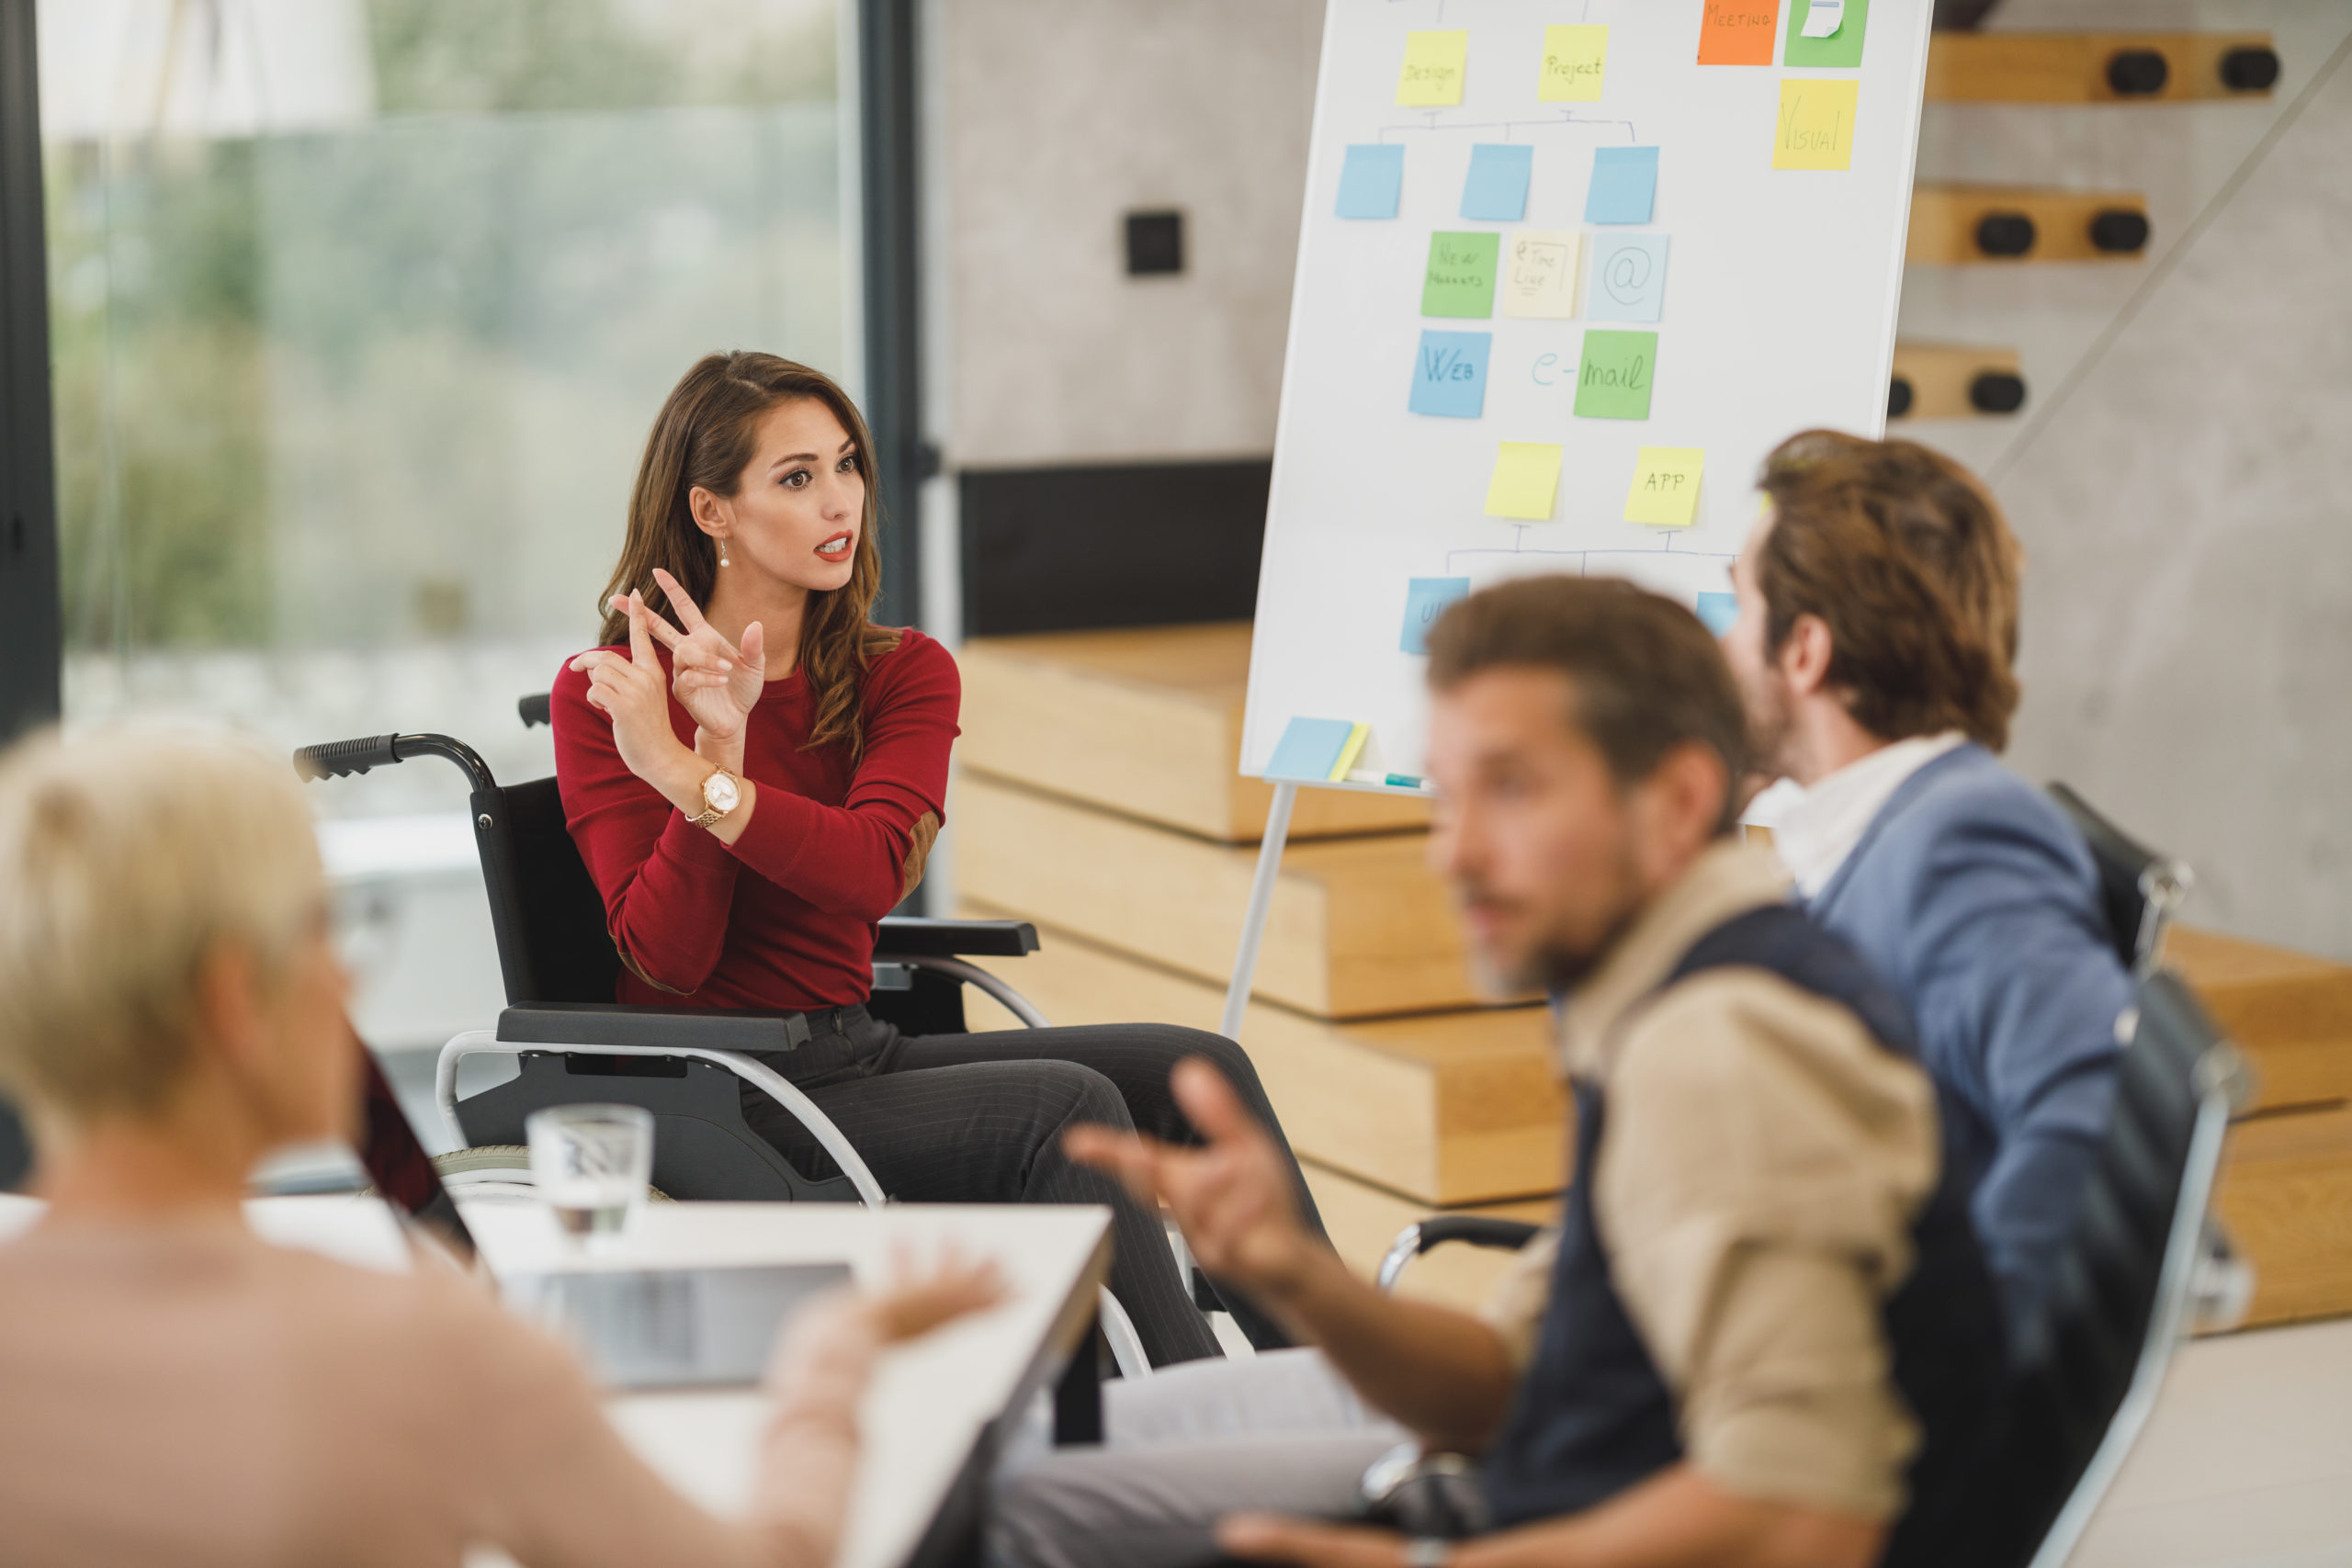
{"x": 704, "y": 437}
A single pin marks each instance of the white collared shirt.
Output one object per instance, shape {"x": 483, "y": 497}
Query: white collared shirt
{"x": 1821, "y": 826}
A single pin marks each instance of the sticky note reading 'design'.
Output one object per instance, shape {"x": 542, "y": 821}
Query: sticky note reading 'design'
{"x": 1665, "y": 492}
{"x": 1450, "y": 375}
{"x": 1461, "y": 277}
{"x": 1574, "y": 57}
{"x": 1628, "y": 278}
{"x": 1425, "y": 600}
{"x": 1370, "y": 181}
{"x": 1496, "y": 191}
{"x": 1613, "y": 379}
{"x": 1624, "y": 185}
{"x": 1432, "y": 76}
{"x": 1817, "y": 127}
{"x": 1738, "y": 32}
{"x": 1539, "y": 274}
{"x": 1526, "y": 481}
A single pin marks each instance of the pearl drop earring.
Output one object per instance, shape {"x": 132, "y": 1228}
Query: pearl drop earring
{"x": 722, "y": 549}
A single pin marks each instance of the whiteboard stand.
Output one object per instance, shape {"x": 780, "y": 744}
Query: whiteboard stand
{"x": 1261, "y": 899}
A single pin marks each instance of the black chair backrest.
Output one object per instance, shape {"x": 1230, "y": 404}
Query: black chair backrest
{"x": 545, "y": 909}
{"x": 2137, "y": 885}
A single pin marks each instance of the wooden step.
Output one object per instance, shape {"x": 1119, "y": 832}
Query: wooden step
{"x": 1951, "y": 380}
{"x": 1358, "y": 927}
{"x": 2099, "y": 68}
{"x": 2290, "y": 1012}
{"x": 2286, "y": 1198}
{"x": 1144, "y": 721}
{"x": 1961, "y": 224}
{"x": 1442, "y": 1109}
{"x": 1363, "y": 1220}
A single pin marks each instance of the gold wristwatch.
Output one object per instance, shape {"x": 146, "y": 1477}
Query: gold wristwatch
{"x": 721, "y": 793}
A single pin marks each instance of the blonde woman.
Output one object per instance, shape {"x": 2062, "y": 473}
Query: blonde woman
{"x": 176, "y": 1391}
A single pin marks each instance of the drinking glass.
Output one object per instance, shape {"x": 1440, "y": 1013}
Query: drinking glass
{"x": 591, "y": 1163}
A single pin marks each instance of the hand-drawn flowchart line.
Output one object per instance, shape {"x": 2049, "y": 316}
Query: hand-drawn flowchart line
{"x": 1564, "y": 117}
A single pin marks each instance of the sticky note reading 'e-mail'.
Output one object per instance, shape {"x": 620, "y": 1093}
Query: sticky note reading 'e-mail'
{"x": 1816, "y": 125}
{"x": 1496, "y": 191}
{"x": 1539, "y": 274}
{"x": 1425, "y": 600}
{"x": 1738, "y": 32}
{"x": 1434, "y": 64}
{"x": 1574, "y": 57}
{"x": 1628, "y": 278}
{"x": 1461, "y": 276}
{"x": 1372, "y": 181}
{"x": 1665, "y": 492}
{"x": 1624, "y": 185}
{"x": 1614, "y": 377}
{"x": 1450, "y": 375}
{"x": 1526, "y": 481}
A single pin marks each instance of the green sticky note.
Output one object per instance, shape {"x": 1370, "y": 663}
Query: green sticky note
{"x": 1461, "y": 279}
{"x": 1613, "y": 382}
{"x": 1841, "y": 51}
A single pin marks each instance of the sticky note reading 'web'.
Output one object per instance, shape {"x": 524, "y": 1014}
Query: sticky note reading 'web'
{"x": 1624, "y": 185}
{"x": 1370, "y": 181}
{"x": 1613, "y": 378}
{"x": 1839, "y": 48}
{"x": 1461, "y": 276}
{"x": 1816, "y": 125}
{"x": 1539, "y": 274}
{"x": 1574, "y": 57}
{"x": 1434, "y": 64}
{"x": 1526, "y": 481}
{"x": 1425, "y": 600}
{"x": 1628, "y": 278}
{"x": 1665, "y": 492}
{"x": 1738, "y": 32}
{"x": 1450, "y": 375}
{"x": 1496, "y": 191}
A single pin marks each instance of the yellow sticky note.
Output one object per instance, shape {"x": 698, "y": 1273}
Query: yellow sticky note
{"x": 1817, "y": 127}
{"x": 1527, "y": 478}
{"x": 1350, "y": 750}
{"x": 1573, "y": 58}
{"x": 1665, "y": 486}
{"x": 1434, "y": 64}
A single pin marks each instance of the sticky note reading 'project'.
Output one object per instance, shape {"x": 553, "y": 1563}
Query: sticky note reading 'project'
{"x": 1665, "y": 492}
{"x": 1370, "y": 181}
{"x": 1574, "y": 57}
{"x": 1461, "y": 277}
{"x": 1450, "y": 375}
{"x": 1311, "y": 747}
{"x": 1717, "y": 611}
{"x": 1624, "y": 185}
{"x": 1526, "y": 480}
{"x": 1431, "y": 77}
{"x": 1539, "y": 274}
{"x": 1613, "y": 379}
{"x": 1628, "y": 278}
{"x": 1738, "y": 32}
{"x": 1817, "y": 125}
{"x": 1425, "y": 600}
{"x": 1496, "y": 191}
{"x": 1839, "y": 48}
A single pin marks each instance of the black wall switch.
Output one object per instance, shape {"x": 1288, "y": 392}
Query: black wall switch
{"x": 1155, "y": 243}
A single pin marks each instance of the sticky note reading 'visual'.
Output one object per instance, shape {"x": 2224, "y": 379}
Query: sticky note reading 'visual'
{"x": 1717, "y": 611}
{"x": 1624, "y": 185}
{"x": 1370, "y": 181}
{"x": 1574, "y": 57}
{"x": 1425, "y": 600}
{"x": 1539, "y": 274}
{"x": 1461, "y": 277}
{"x": 1311, "y": 747}
{"x": 1496, "y": 191}
{"x": 1738, "y": 32}
{"x": 1526, "y": 481}
{"x": 1613, "y": 379}
{"x": 1839, "y": 48}
{"x": 1665, "y": 492}
{"x": 1817, "y": 125}
{"x": 1628, "y": 278}
{"x": 1450, "y": 375}
{"x": 1434, "y": 64}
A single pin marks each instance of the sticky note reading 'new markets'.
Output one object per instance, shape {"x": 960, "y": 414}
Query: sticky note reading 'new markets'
{"x": 1628, "y": 278}
{"x": 1461, "y": 276}
{"x": 1539, "y": 274}
{"x": 1574, "y": 57}
{"x": 1624, "y": 185}
{"x": 1526, "y": 481}
{"x": 1840, "y": 49}
{"x": 1434, "y": 62}
{"x": 1372, "y": 181}
{"x": 1614, "y": 380}
{"x": 1318, "y": 750}
{"x": 1817, "y": 127}
{"x": 1738, "y": 32}
{"x": 1450, "y": 375}
{"x": 1665, "y": 492}
{"x": 1496, "y": 191}
{"x": 1425, "y": 600}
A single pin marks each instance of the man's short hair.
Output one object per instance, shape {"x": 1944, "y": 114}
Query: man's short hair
{"x": 1906, "y": 560}
{"x": 1646, "y": 676}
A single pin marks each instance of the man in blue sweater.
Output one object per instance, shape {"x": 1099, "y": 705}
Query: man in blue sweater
{"x": 1877, "y": 624}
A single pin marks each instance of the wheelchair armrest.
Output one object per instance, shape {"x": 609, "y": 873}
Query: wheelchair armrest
{"x": 908, "y": 936}
{"x": 1478, "y": 1230}
{"x": 586, "y": 1025}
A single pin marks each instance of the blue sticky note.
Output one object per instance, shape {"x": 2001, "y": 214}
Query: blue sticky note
{"x": 1425, "y": 600}
{"x": 1450, "y": 373}
{"x": 1496, "y": 191}
{"x": 1624, "y": 184}
{"x": 1718, "y": 611}
{"x": 1628, "y": 278}
{"x": 1308, "y": 749}
{"x": 1370, "y": 181}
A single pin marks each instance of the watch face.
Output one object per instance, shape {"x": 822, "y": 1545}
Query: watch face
{"x": 718, "y": 791}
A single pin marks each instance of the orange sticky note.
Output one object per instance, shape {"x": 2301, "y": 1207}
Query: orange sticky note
{"x": 1738, "y": 32}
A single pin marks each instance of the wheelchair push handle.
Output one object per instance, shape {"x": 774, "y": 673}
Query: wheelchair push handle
{"x": 341, "y": 758}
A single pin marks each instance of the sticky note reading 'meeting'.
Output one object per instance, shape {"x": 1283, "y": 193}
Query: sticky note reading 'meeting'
{"x": 1614, "y": 377}
{"x": 1817, "y": 125}
{"x": 1496, "y": 191}
{"x": 1372, "y": 181}
{"x": 1526, "y": 480}
{"x": 1574, "y": 57}
{"x": 1450, "y": 375}
{"x": 1665, "y": 492}
{"x": 1461, "y": 276}
{"x": 1425, "y": 600}
{"x": 1624, "y": 185}
{"x": 1539, "y": 274}
{"x": 1434, "y": 62}
{"x": 1628, "y": 278}
{"x": 1738, "y": 32}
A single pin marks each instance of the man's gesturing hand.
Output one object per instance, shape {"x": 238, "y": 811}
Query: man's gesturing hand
{"x": 1269, "y": 1538}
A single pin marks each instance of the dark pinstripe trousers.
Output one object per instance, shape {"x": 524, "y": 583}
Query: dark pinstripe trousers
{"x": 980, "y": 1117}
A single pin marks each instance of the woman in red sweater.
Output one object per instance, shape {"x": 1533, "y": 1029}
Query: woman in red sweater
{"x": 755, "y": 774}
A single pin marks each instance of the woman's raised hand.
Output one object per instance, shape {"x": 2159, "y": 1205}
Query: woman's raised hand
{"x": 628, "y": 691}
{"x": 716, "y": 680}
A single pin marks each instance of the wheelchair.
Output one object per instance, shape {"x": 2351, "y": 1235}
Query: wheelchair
{"x": 570, "y": 1042}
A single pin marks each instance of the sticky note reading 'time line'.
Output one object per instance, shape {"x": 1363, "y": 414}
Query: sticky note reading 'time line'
{"x": 1539, "y": 274}
{"x": 1425, "y": 600}
{"x": 1461, "y": 276}
{"x": 1434, "y": 62}
{"x": 1738, "y": 32}
{"x": 1613, "y": 378}
{"x": 1624, "y": 185}
{"x": 1574, "y": 57}
{"x": 1526, "y": 480}
{"x": 1665, "y": 492}
{"x": 1372, "y": 181}
{"x": 1816, "y": 125}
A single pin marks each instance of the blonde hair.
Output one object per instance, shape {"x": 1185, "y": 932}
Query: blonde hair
{"x": 127, "y": 854}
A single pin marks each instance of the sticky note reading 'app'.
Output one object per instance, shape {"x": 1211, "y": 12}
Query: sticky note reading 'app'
{"x": 1370, "y": 181}
{"x": 1628, "y": 278}
{"x": 1434, "y": 62}
{"x": 1460, "y": 278}
{"x": 1496, "y": 191}
{"x": 1450, "y": 375}
{"x": 1738, "y": 32}
{"x": 1573, "y": 61}
{"x": 1624, "y": 185}
{"x": 1425, "y": 600}
{"x": 1539, "y": 274}
{"x": 1839, "y": 48}
{"x": 1817, "y": 127}
{"x": 1526, "y": 481}
{"x": 1613, "y": 379}
{"x": 1665, "y": 492}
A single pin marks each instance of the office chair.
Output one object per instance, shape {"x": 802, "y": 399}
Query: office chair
{"x": 2141, "y": 889}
